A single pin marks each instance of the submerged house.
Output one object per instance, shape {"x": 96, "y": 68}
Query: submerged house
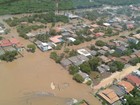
{"x": 56, "y": 39}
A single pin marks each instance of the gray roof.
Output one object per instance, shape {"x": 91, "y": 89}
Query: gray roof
{"x": 102, "y": 52}
{"x": 65, "y": 62}
{"x": 119, "y": 91}
{"x": 9, "y": 48}
{"x": 75, "y": 60}
{"x": 100, "y": 69}
{"x": 93, "y": 52}
{"x": 82, "y": 58}
{"x": 84, "y": 75}
{"x": 106, "y": 67}
{"x": 122, "y": 48}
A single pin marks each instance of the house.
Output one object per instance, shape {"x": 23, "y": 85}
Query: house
{"x": 84, "y": 52}
{"x": 133, "y": 40}
{"x": 14, "y": 41}
{"x": 82, "y": 58}
{"x": 126, "y": 85}
{"x": 71, "y": 39}
{"x": 118, "y": 90}
{"x": 56, "y": 39}
{"x": 2, "y": 30}
{"x": 65, "y": 34}
{"x": 94, "y": 25}
{"x": 130, "y": 26}
{"x": 133, "y": 79}
{"x": 71, "y": 16}
{"x": 109, "y": 95}
{"x": 136, "y": 72}
{"x": 5, "y": 42}
{"x": 106, "y": 67}
{"x": 43, "y": 46}
{"x": 102, "y": 52}
{"x": 99, "y": 34}
{"x": 137, "y": 54}
{"x": 75, "y": 61}
{"x": 136, "y": 36}
{"x": 9, "y": 48}
{"x": 121, "y": 49}
{"x": 93, "y": 53}
{"x": 133, "y": 56}
{"x": 30, "y": 35}
{"x": 104, "y": 59}
{"x": 84, "y": 75}
{"x": 126, "y": 59}
{"x": 100, "y": 69}
{"x": 106, "y": 24}
{"x": 65, "y": 62}
{"x": 105, "y": 48}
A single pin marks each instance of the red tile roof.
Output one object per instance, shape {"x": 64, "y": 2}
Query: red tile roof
{"x": 14, "y": 41}
{"x": 133, "y": 79}
{"x": 128, "y": 86}
{"x": 5, "y": 43}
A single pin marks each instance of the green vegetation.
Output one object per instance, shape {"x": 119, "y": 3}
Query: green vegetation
{"x": 55, "y": 57}
{"x": 9, "y": 56}
{"x": 73, "y": 70}
{"x": 116, "y": 66}
{"x": 134, "y": 61}
{"x": 29, "y": 6}
{"x": 1, "y": 37}
{"x": 31, "y": 48}
{"x": 100, "y": 43}
{"x": 78, "y": 78}
{"x": 85, "y": 67}
{"x": 133, "y": 100}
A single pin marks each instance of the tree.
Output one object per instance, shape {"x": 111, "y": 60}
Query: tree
{"x": 116, "y": 66}
{"x": 9, "y": 56}
{"x": 94, "y": 62}
{"x": 78, "y": 78}
{"x": 31, "y": 48}
{"x": 55, "y": 57}
{"x": 73, "y": 69}
{"x": 134, "y": 61}
{"x": 85, "y": 67}
{"x": 100, "y": 43}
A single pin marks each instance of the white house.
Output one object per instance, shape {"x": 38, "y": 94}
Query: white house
{"x": 84, "y": 52}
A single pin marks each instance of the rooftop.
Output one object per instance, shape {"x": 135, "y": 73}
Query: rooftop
{"x": 109, "y": 95}
{"x": 126, "y": 85}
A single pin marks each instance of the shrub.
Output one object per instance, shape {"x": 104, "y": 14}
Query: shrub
{"x": 31, "y": 48}
{"x": 78, "y": 78}
{"x": 73, "y": 70}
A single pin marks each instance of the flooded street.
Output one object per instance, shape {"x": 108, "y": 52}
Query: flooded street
{"x": 35, "y": 73}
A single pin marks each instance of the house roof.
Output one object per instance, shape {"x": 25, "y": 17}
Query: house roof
{"x": 119, "y": 91}
{"x": 14, "y": 40}
{"x": 101, "y": 69}
{"x": 134, "y": 79}
{"x": 56, "y": 39}
{"x": 83, "y": 52}
{"x": 109, "y": 95}
{"x": 105, "y": 59}
{"x": 5, "y": 43}
{"x": 125, "y": 58}
{"x": 75, "y": 60}
{"x": 93, "y": 52}
{"x": 65, "y": 62}
{"x": 82, "y": 58}
{"x": 84, "y": 75}
{"x": 127, "y": 86}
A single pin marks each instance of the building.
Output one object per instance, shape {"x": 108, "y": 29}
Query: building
{"x": 43, "y": 46}
{"x": 118, "y": 90}
{"x": 133, "y": 40}
{"x": 84, "y": 52}
{"x": 121, "y": 49}
{"x": 84, "y": 75}
{"x": 56, "y": 39}
{"x": 133, "y": 79}
{"x": 109, "y": 95}
{"x": 5, "y": 43}
{"x": 75, "y": 61}
{"x": 65, "y": 62}
{"x": 82, "y": 58}
{"x": 126, "y": 85}
{"x": 105, "y": 59}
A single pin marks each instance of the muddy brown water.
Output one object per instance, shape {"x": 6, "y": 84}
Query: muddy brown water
{"x": 34, "y": 73}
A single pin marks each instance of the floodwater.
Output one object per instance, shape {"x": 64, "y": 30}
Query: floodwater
{"x": 35, "y": 73}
